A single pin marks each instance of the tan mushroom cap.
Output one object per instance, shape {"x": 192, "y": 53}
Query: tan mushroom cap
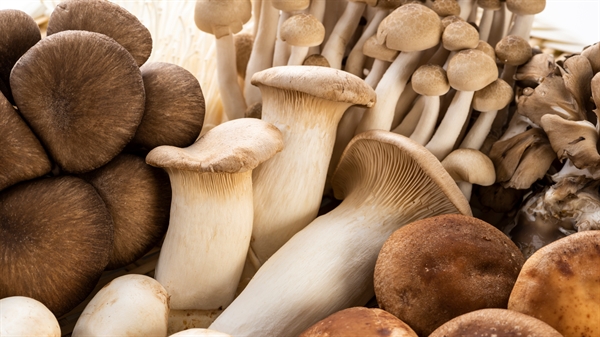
{"x": 389, "y": 4}
{"x": 325, "y": 83}
{"x": 433, "y": 270}
{"x": 359, "y": 321}
{"x": 526, "y": 7}
{"x": 559, "y": 285}
{"x": 513, "y": 50}
{"x": 595, "y": 88}
{"x": 233, "y": 147}
{"x": 421, "y": 28}
{"x": 451, "y": 19}
{"x": 243, "y": 48}
{"x": 495, "y": 322}
{"x": 536, "y": 69}
{"x": 460, "y": 35}
{"x": 493, "y": 5}
{"x": 593, "y": 54}
{"x": 470, "y": 165}
{"x": 303, "y": 30}
{"x": 290, "y": 5}
{"x": 430, "y": 80}
{"x": 487, "y": 49}
{"x": 316, "y": 60}
{"x": 494, "y": 96}
{"x": 471, "y": 70}
{"x": 446, "y": 7}
{"x": 222, "y": 18}
{"x": 373, "y": 49}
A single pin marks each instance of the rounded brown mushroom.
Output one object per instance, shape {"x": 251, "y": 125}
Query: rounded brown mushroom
{"x": 438, "y": 268}
{"x": 445, "y": 8}
{"x": 83, "y": 96}
{"x": 301, "y": 31}
{"x": 460, "y": 35}
{"x": 513, "y": 50}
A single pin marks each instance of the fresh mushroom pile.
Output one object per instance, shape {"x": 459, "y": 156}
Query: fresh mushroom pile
{"x": 344, "y": 189}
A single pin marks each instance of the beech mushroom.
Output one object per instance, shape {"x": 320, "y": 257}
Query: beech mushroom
{"x": 301, "y": 32}
{"x": 524, "y": 11}
{"x": 282, "y": 49}
{"x": 24, "y": 316}
{"x": 485, "y": 24}
{"x": 468, "y": 167}
{"x": 205, "y": 247}
{"x": 386, "y": 181}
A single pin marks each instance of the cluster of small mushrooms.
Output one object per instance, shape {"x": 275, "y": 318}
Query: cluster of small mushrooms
{"x": 359, "y": 181}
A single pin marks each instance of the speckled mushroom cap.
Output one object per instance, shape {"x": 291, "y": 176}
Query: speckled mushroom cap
{"x": 232, "y": 147}
{"x": 325, "y": 83}
{"x": 495, "y": 322}
{"x": 444, "y": 8}
{"x": 19, "y": 33}
{"x": 290, "y": 5}
{"x": 222, "y": 17}
{"x": 22, "y": 156}
{"x": 487, "y": 49}
{"x": 559, "y": 285}
{"x": 421, "y": 28}
{"x": 316, "y": 60}
{"x": 359, "y": 321}
{"x": 513, "y": 50}
{"x": 460, "y": 35}
{"x": 55, "y": 240}
{"x": 493, "y": 5}
{"x": 389, "y": 4}
{"x": 378, "y": 51}
{"x": 526, "y": 7}
{"x": 460, "y": 163}
{"x": 441, "y": 267}
{"x": 430, "y": 80}
{"x": 494, "y": 96}
{"x": 82, "y": 94}
{"x": 104, "y": 17}
{"x": 446, "y": 21}
{"x": 303, "y": 30}
{"x": 471, "y": 70}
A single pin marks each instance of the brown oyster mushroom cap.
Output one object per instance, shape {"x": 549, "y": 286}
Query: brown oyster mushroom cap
{"x": 56, "y": 236}
{"x": 577, "y": 73}
{"x": 559, "y": 285}
{"x": 495, "y": 322}
{"x": 595, "y": 88}
{"x": 303, "y": 30}
{"x": 174, "y": 108}
{"x": 460, "y": 35}
{"x": 373, "y": 49}
{"x": 106, "y": 18}
{"x": 138, "y": 197}
{"x": 243, "y": 48}
{"x": 359, "y": 321}
{"x": 471, "y": 70}
{"x": 593, "y": 54}
{"x": 221, "y": 18}
{"x": 445, "y": 8}
{"x": 513, "y": 50}
{"x": 430, "y": 80}
{"x": 22, "y": 156}
{"x": 82, "y": 94}
{"x": 536, "y": 69}
{"x": 526, "y": 7}
{"x": 19, "y": 33}
{"x": 317, "y": 60}
{"x": 433, "y": 270}
{"x": 494, "y": 96}
{"x": 421, "y": 27}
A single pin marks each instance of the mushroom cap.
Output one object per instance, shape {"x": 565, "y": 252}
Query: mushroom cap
{"x": 460, "y": 35}
{"x": 471, "y": 70}
{"x": 492, "y": 5}
{"x": 290, "y": 5}
{"x": 232, "y": 147}
{"x": 441, "y": 267}
{"x": 388, "y": 4}
{"x": 513, "y": 50}
{"x": 138, "y": 197}
{"x": 446, "y": 21}
{"x": 536, "y": 69}
{"x": 595, "y": 89}
{"x": 470, "y": 165}
{"x": 174, "y": 108}
{"x": 411, "y": 27}
{"x": 430, "y": 80}
{"x": 222, "y": 17}
{"x": 359, "y": 321}
{"x": 559, "y": 285}
{"x": 325, "y": 83}
{"x": 243, "y": 48}
{"x": 316, "y": 60}
{"x": 56, "y": 251}
{"x": 82, "y": 94}
{"x": 379, "y": 51}
{"x": 445, "y": 8}
{"x": 22, "y": 156}
{"x": 302, "y": 30}
{"x": 526, "y": 7}
{"x": 493, "y": 97}
{"x": 593, "y": 54}
{"x": 104, "y": 17}
{"x": 487, "y": 49}
{"x": 200, "y": 332}
{"x": 19, "y": 33}
{"x": 24, "y": 316}
{"x": 499, "y": 322}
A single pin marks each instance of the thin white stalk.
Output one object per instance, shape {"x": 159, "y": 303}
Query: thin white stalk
{"x": 256, "y": 7}
{"x": 498, "y": 29}
{"x": 409, "y": 123}
{"x": 466, "y": 188}
{"x": 522, "y": 26}
{"x": 335, "y": 46}
{"x": 485, "y": 24}
{"x": 234, "y": 104}
{"x": 405, "y": 102}
{"x": 466, "y": 6}
{"x": 317, "y": 9}
{"x": 426, "y": 126}
{"x": 282, "y": 49}
{"x": 356, "y": 58}
{"x": 298, "y": 55}
{"x": 479, "y": 130}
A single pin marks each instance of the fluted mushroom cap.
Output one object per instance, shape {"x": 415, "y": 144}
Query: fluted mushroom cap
{"x": 373, "y": 49}
{"x": 222, "y": 17}
{"x": 494, "y": 96}
{"x": 430, "y": 80}
{"x": 325, "y": 83}
{"x": 411, "y": 27}
{"x": 233, "y": 147}
{"x": 471, "y": 70}
{"x": 303, "y": 30}
{"x": 104, "y": 17}
{"x": 526, "y": 7}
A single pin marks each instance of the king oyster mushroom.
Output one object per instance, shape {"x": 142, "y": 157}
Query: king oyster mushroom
{"x": 24, "y": 316}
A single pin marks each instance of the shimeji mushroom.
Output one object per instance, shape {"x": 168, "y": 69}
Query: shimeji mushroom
{"x": 485, "y": 23}
{"x": 306, "y": 104}
{"x": 386, "y": 181}
{"x": 287, "y": 8}
{"x": 301, "y": 31}
{"x": 106, "y": 18}
{"x": 82, "y": 94}
{"x": 24, "y": 316}
{"x": 524, "y": 12}
{"x": 55, "y": 251}
{"x": 203, "y": 254}
{"x": 468, "y": 167}
{"x": 130, "y": 305}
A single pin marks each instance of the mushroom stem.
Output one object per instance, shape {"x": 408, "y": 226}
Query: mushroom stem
{"x": 356, "y": 58}
{"x": 485, "y": 24}
{"x": 479, "y": 130}
{"x": 334, "y": 48}
{"x": 409, "y": 123}
{"x": 466, "y": 188}
{"x": 522, "y": 26}
{"x": 282, "y": 49}
{"x": 232, "y": 98}
{"x": 298, "y": 55}
{"x": 498, "y": 29}
{"x": 405, "y": 102}
{"x": 426, "y": 126}
{"x": 317, "y": 9}
{"x": 466, "y": 7}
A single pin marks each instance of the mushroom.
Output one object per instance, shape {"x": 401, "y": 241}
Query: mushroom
{"x": 24, "y": 316}
{"x": 386, "y": 181}
{"x": 56, "y": 251}
{"x": 287, "y": 8}
{"x": 205, "y": 247}
{"x": 243, "y": 49}
{"x": 130, "y": 305}
{"x": 487, "y": 16}
{"x": 104, "y": 17}
{"x": 200, "y": 332}
{"x": 535, "y": 70}
{"x": 223, "y": 19}
{"x": 301, "y": 31}
{"x": 306, "y": 104}
{"x": 468, "y": 167}
{"x": 82, "y": 94}
{"x": 524, "y": 11}
{"x": 435, "y": 269}
{"x": 445, "y": 8}
{"x": 558, "y": 285}
{"x": 459, "y": 35}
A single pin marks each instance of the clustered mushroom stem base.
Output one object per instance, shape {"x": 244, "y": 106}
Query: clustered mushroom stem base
{"x": 234, "y": 104}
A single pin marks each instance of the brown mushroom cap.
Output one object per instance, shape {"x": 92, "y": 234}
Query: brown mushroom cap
{"x": 243, "y": 48}
{"x": 222, "y": 18}
{"x": 471, "y": 70}
{"x": 494, "y": 96}
{"x": 290, "y": 5}
{"x": 420, "y": 28}
{"x": 174, "y": 108}
{"x": 359, "y": 321}
{"x": 82, "y": 94}
{"x": 495, "y": 322}
{"x": 317, "y": 60}
{"x": 373, "y": 49}
{"x": 22, "y": 156}
{"x": 493, "y": 5}
{"x": 446, "y": 7}
{"x": 559, "y": 285}
{"x": 448, "y": 20}
{"x": 19, "y": 33}
{"x": 470, "y": 165}
{"x": 55, "y": 240}
{"x": 430, "y": 80}
{"x": 138, "y": 197}
{"x": 460, "y": 35}
{"x": 106, "y": 18}
{"x": 487, "y": 49}
{"x": 526, "y": 7}
{"x": 303, "y": 30}
{"x": 513, "y": 50}
{"x": 438, "y": 268}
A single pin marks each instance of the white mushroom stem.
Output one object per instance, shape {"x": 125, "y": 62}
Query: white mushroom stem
{"x": 409, "y": 123}
{"x": 356, "y": 58}
{"x": 518, "y": 124}
{"x": 334, "y": 48}
{"x": 404, "y": 104}
{"x": 426, "y": 125}
{"x": 485, "y": 24}
{"x": 498, "y": 29}
{"x": 282, "y": 49}
{"x": 522, "y": 26}
{"x": 317, "y": 9}
{"x": 298, "y": 55}
{"x": 256, "y": 5}
{"x": 232, "y": 98}
{"x": 466, "y": 7}
{"x": 466, "y": 188}
{"x": 479, "y": 131}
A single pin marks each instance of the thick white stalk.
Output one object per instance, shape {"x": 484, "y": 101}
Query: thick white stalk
{"x": 498, "y": 29}
{"x": 356, "y": 58}
{"x": 485, "y": 24}
{"x": 426, "y": 126}
{"x": 479, "y": 130}
{"x": 282, "y": 48}
{"x": 205, "y": 247}
{"x": 256, "y": 5}
{"x": 335, "y": 46}
{"x": 409, "y": 123}
{"x": 405, "y": 102}
{"x": 232, "y": 98}
{"x": 297, "y": 56}
{"x": 466, "y": 6}
{"x": 522, "y": 26}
